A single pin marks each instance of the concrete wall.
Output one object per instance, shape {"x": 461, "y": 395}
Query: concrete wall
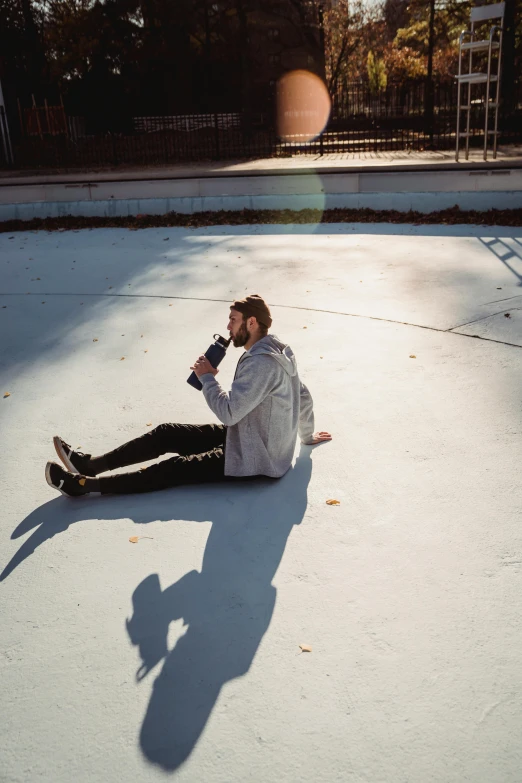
{"x": 422, "y": 190}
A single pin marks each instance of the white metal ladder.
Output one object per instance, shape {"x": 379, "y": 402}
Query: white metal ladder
{"x": 479, "y": 15}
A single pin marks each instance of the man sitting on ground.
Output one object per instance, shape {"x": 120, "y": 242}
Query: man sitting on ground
{"x": 262, "y": 415}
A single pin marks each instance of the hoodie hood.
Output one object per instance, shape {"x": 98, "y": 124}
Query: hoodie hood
{"x": 281, "y": 352}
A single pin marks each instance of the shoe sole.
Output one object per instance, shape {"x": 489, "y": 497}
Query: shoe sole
{"x": 63, "y": 456}
{"x": 50, "y": 482}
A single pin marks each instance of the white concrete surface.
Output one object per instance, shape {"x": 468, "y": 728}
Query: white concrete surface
{"x": 409, "y": 591}
{"x": 300, "y": 184}
{"x": 422, "y": 190}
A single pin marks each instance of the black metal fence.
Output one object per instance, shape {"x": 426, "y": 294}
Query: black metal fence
{"x": 397, "y": 118}
{"x": 400, "y": 99}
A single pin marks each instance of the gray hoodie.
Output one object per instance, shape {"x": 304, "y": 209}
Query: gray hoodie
{"x": 264, "y": 410}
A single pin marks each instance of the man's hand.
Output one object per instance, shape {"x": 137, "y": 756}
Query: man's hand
{"x": 320, "y": 437}
{"x": 202, "y": 366}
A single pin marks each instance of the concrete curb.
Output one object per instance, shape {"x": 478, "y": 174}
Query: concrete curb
{"x": 403, "y": 202}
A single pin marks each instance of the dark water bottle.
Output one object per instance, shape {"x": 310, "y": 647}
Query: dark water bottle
{"x": 215, "y": 354}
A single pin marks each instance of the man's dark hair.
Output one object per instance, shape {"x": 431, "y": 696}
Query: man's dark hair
{"x": 263, "y": 329}
{"x": 255, "y": 305}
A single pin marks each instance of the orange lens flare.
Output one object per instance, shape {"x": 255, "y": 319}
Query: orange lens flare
{"x": 303, "y": 106}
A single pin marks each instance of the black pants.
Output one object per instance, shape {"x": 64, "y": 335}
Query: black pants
{"x": 200, "y": 451}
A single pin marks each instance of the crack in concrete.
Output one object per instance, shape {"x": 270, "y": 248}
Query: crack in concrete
{"x": 482, "y": 318}
{"x": 497, "y": 301}
{"x": 486, "y": 339}
{"x": 451, "y": 330}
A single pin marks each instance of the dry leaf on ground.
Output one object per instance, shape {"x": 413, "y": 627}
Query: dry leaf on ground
{"x": 95, "y": 340}
{"x": 122, "y": 359}
{"x": 135, "y": 539}
{"x": 452, "y": 215}
{"x": 412, "y": 356}
{"x": 305, "y": 647}
{"x": 333, "y": 502}
{"x": 7, "y": 394}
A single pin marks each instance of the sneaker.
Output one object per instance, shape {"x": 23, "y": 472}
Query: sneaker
{"x": 74, "y": 461}
{"x": 69, "y": 484}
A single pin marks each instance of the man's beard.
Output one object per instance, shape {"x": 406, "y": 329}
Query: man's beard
{"x": 241, "y": 337}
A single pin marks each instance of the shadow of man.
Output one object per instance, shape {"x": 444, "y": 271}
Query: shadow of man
{"x": 227, "y": 608}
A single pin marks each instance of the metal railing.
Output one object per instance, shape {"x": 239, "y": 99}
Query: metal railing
{"x": 394, "y": 119}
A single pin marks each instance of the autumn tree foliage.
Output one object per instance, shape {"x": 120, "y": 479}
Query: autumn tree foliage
{"x": 393, "y": 34}
{"x": 118, "y": 56}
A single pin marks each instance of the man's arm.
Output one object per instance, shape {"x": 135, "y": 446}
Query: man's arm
{"x": 306, "y": 421}
{"x": 306, "y": 416}
{"x": 255, "y": 380}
